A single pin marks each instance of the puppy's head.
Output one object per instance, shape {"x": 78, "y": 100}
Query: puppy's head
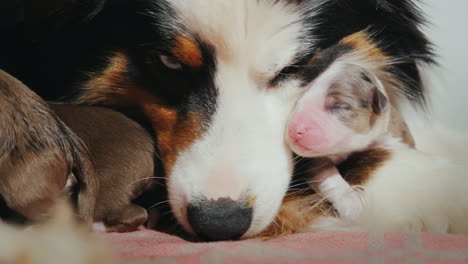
{"x": 344, "y": 110}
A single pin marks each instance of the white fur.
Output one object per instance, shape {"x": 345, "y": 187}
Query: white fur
{"x": 412, "y": 191}
{"x": 346, "y": 200}
{"x": 243, "y": 152}
{"x": 434, "y": 138}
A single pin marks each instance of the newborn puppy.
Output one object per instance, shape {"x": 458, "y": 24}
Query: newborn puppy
{"x": 123, "y": 153}
{"x": 348, "y": 114}
{"x": 38, "y": 153}
{"x": 344, "y": 111}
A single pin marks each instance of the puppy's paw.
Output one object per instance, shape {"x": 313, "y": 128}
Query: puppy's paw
{"x": 349, "y": 205}
{"x": 346, "y": 199}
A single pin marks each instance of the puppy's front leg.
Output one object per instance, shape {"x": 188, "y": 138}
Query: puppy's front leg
{"x": 346, "y": 200}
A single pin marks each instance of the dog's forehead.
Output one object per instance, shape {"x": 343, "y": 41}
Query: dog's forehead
{"x": 262, "y": 35}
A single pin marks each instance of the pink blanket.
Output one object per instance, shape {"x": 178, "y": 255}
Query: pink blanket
{"x": 153, "y": 247}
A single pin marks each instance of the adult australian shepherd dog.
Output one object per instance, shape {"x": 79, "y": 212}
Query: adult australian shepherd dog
{"x": 214, "y": 80}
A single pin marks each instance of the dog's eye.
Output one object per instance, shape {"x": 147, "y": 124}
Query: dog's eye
{"x": 170, "y": 62}
{"x": 340, "y": 106}
{"x": 332, "y": 104}
{"x": 284, "y": 74}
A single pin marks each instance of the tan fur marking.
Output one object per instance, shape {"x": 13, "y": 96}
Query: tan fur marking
{"x": 251, "y": 201}
{"x": 188, "y": 52}
{"x": 361, "y": 42}
{"x": 296, "y": 214}
{"x": 108, "y": 86}
{"x": 174, "y": 133}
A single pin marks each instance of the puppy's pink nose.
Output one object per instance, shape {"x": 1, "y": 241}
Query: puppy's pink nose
{"x": 309, "y": 138}
{"x": 297, "y": 132}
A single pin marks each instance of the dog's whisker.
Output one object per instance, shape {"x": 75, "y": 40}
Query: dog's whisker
{"x": 297, "y": 161}
{"x": 314, "y": 181}
{"x": 163, "y": 202}
{"x": 297, "y": 158}
{"x": 156, "y": 204}
{"x": 298, "y": 184}
{"x": 306, "y": 164}
{"x": 144, "y": 179}
{"x": 169, "y": 212}
{"x": 297, "y": 181}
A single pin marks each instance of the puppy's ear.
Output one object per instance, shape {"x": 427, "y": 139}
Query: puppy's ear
{"x": 377, "y": 101}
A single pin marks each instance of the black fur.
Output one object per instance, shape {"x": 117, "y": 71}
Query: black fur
{"x": 76, "y": 35}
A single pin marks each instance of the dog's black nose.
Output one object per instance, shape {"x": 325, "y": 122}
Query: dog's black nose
{"x": 222, "y": 219}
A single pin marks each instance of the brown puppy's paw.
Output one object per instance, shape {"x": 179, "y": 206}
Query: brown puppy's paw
{"x": 132, "y": 217}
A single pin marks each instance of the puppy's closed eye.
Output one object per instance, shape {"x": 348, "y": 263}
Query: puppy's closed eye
{"x": 333, "y": 104}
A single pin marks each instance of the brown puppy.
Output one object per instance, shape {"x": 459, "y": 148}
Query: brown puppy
{"x": 123, "y": 153}
{"x": 38, "y": 153}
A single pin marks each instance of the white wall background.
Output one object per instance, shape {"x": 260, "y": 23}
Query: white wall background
{"x": 449, "y": 83}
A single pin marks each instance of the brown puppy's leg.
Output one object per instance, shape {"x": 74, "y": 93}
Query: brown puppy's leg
{"x": 130, "y": 219}
{"x": 37, "y": 153}
{"x": 123, "y": 152}
{"x": 85, "y": 175}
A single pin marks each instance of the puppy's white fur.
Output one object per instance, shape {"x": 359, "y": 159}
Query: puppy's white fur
{"x": 345, "y": 199}
{"x": 412, "y": 191}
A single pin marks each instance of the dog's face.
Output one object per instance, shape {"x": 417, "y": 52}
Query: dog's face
{"x": 217, "y": 81}
{"x": 229, "y": 179}
{"x": 216, "y": 88}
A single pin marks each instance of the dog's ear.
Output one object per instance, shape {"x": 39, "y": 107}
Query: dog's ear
{"x": 377, "y": 101}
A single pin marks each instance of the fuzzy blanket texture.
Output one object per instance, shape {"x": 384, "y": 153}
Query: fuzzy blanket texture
{"x": 147, "y": 246}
